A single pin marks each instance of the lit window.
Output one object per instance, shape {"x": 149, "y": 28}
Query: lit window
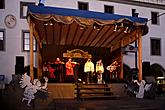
{"x": 108, "y": 9}
{"x": 26, "y": 41}
{"x": 23, "y": 8}
{"x": 154, "y": 18}
{"x": 2, "y": 4}
{"x": 155, "y": 46}
{"x": 2, "y": 40}
{"x": 82, "y": 6}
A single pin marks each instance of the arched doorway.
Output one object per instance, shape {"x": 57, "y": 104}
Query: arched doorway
{"x": 157, "y": 70}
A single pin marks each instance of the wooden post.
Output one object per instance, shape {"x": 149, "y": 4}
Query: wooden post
{"x": 121, "y": 63}
{"x": 31, "y": 51}
{"x": 121, "y": 66}
{"x": 139, "y": 54}
{"x": 39, "y": 72}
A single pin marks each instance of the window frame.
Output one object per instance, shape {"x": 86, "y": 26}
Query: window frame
{"x": 23, "y": 42}
{"x": 22, "y": 4}
{"x": 107, "y": 7}
{"x": 160, "y": 51}
{"x": 80, "y": 2}
{"x": 4, "y": 39}
{"x": 158, "y": 19}
{"x": 3, "y": 5}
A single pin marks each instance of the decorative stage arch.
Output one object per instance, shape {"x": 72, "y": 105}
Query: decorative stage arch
{"x": 77, "y": 53}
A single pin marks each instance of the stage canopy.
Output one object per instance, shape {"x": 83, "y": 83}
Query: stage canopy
{"x": 61, "y": 26}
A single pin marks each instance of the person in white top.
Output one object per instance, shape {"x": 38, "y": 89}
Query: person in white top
{"x": 99, "y": 71}
{"x": 89, "y": 69}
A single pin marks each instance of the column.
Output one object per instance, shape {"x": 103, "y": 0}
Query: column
{"x": 139, "y": 54}
{"x": 31, "y": 51}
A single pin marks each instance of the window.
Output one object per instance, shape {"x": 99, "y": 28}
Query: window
{"x": 155, "y": 46}
{"x": 154, "y": 18}
{"x": 108, "y": 9}
{"x": 82, "y": 6}
{"x": 2, "y": 4}
{"x": 23, "y": 8}
{"x": 26, "y": 41}
{"x": 2, "y": 40}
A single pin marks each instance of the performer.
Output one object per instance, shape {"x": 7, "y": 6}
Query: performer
{"x": 51, "y": 72}
{"x": 75, "y": 70}
{"x": 58, "y": 65}
{"x": 112, "y": 69}
{"x": 45, "y": 69}
{"x": 69, "y": 67}
{"x": 99, "y": 71}
{"x": 89, "y": 69}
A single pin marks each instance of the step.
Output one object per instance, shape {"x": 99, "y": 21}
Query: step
{"x": 86, "y": 88}
{"x": 98, "y": 92}
{"x": 100, "y": 97}
{"x": 90, "y": 84}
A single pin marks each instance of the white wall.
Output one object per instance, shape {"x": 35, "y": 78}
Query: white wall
{"x": 14, "y": 38}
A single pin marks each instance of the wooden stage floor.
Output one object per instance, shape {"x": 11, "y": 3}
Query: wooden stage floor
{"x": 67, "y": 90}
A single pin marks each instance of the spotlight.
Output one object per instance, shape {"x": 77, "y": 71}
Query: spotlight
{"x": 82, "y": 26}
{"x": 126, "y": 30}
{"x": 51, "y": 24}
{"x": 45, "y": 24}
{"x": 122, "y": 24}
{"x": 96, "y": 26}
{"x": 115, "y": 28}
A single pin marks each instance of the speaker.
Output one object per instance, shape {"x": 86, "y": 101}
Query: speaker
{"x": 20, "y": 60}
{"x": 146, "y": 69}
{"x": 19, "y": 65}
{"x": 19, "y": 69}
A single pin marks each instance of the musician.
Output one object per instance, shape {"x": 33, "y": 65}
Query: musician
{"x": 45, "y": 69}
{"x": 113, "y": 69}
{"x": 99, "y": 71}
{"x": 69, "y": 67}
{"x": 89, "y": 69}
{"x": 58, "y": 61}
{"x": 58, "y": 65}
{"x": 51, "y": 72}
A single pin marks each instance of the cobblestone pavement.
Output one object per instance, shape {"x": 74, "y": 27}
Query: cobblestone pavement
{"x": 11, "y": 100}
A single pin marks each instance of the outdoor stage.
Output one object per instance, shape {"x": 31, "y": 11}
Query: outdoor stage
{"x": 68, "y": 90}
{"x": 61, "y": 90}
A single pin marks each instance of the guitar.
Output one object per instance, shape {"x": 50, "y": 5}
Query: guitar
{"x": 112, "y": 67}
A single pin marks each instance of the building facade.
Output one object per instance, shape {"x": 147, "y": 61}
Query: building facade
{"x": 14, "y": 29}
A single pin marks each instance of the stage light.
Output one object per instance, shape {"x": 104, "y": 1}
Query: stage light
{"x": 126, "y": 30}
{"x": 45, "y": 24}
{"x": 51, "y": 24}
{"x": 115, "y": 29}
{"x": 96, "y": 26}
{"x": 82, "y": 26}
{"x": 122, "y": 24}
